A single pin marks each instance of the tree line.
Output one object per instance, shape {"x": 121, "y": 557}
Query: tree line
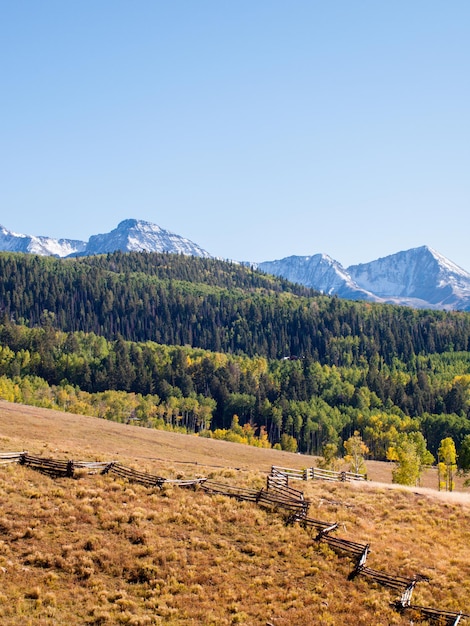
{"x": 298, "y": 404}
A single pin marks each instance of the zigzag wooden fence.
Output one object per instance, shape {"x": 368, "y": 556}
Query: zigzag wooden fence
{"x": 93, "y": 467}
{"x": 359, "y": 553}
{"x": 316, "y": 473}
{"x": 398, "y": 583}
{"x": 277, "y": 495}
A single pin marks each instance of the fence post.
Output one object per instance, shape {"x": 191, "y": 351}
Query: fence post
{"x": 69, "y": 471}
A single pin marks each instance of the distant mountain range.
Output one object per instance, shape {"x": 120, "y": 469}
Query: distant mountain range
{"x": 419, "y": 278}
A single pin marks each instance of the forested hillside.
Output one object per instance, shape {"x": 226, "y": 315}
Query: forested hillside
{"x": 215, "y": 305}
{"x": 205, "y": 345}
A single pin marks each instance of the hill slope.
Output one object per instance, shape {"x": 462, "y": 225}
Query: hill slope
{"x": 124, "y": 554}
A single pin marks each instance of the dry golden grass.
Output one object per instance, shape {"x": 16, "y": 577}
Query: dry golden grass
{"x": 98, "y": 550}
{"x": 64, "y": 435}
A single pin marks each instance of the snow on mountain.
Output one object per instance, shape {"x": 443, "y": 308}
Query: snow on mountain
{"x": 44, "y": 246}
{"x": 320, "y": 272}
{"x": 416, "y": 275}
{"x": 130, "y": 235}
{"x": 419, "y": 278}
{"x": 140, "y": 236}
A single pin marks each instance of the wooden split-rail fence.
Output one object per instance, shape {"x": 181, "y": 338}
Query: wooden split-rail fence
{"x": 317, "y": 473}
{"x": 55, "y": 468}
{"x": 277, "y": 494}
{"x": 146, "y": 479}
{"x": 359, "y": 552}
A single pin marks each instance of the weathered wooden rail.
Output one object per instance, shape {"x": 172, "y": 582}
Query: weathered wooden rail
{"x": 322, "y": 527}
{"x": 280, "y": 485}
{"x": 148, "y": 480}
{"x": 355, "y": 550}
{"x": 297, "y": 508}
{"x": 56, "y": 468}
{"x": 93, "y": 467}
{"x": 294, "y": 474}
{"x": 278, "y": 493}
{"x": 324, "y": 474}
{"x": 398, "y": 583}
{"x": 260, "y": 496}
{"x": 211, "y": 486}
{"x": 11, "y": 457}
{"x": 442, "y": 618}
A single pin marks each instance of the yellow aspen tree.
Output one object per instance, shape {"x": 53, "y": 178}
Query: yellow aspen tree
{"x": 355, "y": 451}
{"x": 447, "y": 464}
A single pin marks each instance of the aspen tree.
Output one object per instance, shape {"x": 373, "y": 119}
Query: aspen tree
{"x": 356, "y": 449}
{"x": 447, "y": 464}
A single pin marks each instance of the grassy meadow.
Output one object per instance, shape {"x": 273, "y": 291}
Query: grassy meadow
{"x": 97, "y": 550}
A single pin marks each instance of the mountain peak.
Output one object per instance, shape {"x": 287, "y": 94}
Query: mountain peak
{"x": 129, "y": 223}
{"x": 420, "y": 275}
{"x": 142, "y": 225}
{"x": 140, "y": 236}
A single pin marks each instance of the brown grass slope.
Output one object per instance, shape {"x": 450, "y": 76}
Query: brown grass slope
{"x": 98, "y": 550}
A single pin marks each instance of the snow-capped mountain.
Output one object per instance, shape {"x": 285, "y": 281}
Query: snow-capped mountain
{"x": 130, "y": 235}
{"x": 320, "y": 272}
{"x": 44, "y": 246}
{"x": 420, "y": 278}
{"x": 140, "y": 236}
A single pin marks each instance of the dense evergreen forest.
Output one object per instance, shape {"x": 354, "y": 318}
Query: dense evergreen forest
{"x": 206, "y": 345}
{"x": 218, "y": 306}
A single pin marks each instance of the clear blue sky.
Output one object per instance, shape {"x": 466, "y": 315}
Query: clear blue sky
{"x": 257, "y": 128}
